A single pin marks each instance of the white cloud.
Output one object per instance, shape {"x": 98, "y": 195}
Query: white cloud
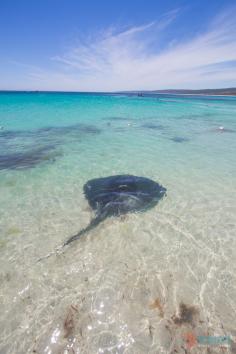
{"x": 126, "y": 60}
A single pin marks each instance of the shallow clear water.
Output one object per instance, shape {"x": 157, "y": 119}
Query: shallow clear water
{"x": 120, "y": 288}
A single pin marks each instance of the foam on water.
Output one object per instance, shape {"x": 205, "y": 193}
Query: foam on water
{"x": 120, "y": 288}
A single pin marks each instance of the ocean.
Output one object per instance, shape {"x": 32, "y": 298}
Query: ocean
{"x": 138, "y": 284}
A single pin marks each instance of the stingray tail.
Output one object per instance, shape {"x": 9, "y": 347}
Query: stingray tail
{"x": 92, "y": 224}
{"x": 99, "y": 218}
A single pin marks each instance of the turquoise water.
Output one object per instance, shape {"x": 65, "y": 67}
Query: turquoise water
{"x": 182, "y": 251}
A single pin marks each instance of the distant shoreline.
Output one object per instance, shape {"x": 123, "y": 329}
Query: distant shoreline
{"x": 227, "y": 91}
{"x": 217, "y": 92}
{"x": 196, "y": 94}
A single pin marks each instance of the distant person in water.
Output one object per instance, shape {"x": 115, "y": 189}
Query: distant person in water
{"x": 222, "y": 129}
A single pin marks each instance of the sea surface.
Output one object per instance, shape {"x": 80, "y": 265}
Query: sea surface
{"x": 150, "y": 282}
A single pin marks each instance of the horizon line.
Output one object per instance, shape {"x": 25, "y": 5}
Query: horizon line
{"x": 122, "y": 91}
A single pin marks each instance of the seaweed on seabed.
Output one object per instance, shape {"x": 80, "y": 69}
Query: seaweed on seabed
{"x": 157, "y": 304}
{"x": 179, "y": 139}
{"x": 186, "y": 314}
{"x": 27, "y": 159}
{"x": 152, "y": 126}
{"x": 69, "y": 322}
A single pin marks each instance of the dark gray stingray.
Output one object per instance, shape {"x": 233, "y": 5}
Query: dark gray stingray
{"x": 179, "y": 139}
{"x": 117, "y": 195}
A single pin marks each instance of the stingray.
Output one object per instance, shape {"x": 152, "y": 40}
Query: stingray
{"x": 119, "y": 195}
{"x": 116, "y": 196}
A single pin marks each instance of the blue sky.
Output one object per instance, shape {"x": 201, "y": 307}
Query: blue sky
{"x": 106, "y": 45}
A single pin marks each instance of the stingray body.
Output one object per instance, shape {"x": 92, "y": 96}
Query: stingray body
{"x": 117, "y": 195}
